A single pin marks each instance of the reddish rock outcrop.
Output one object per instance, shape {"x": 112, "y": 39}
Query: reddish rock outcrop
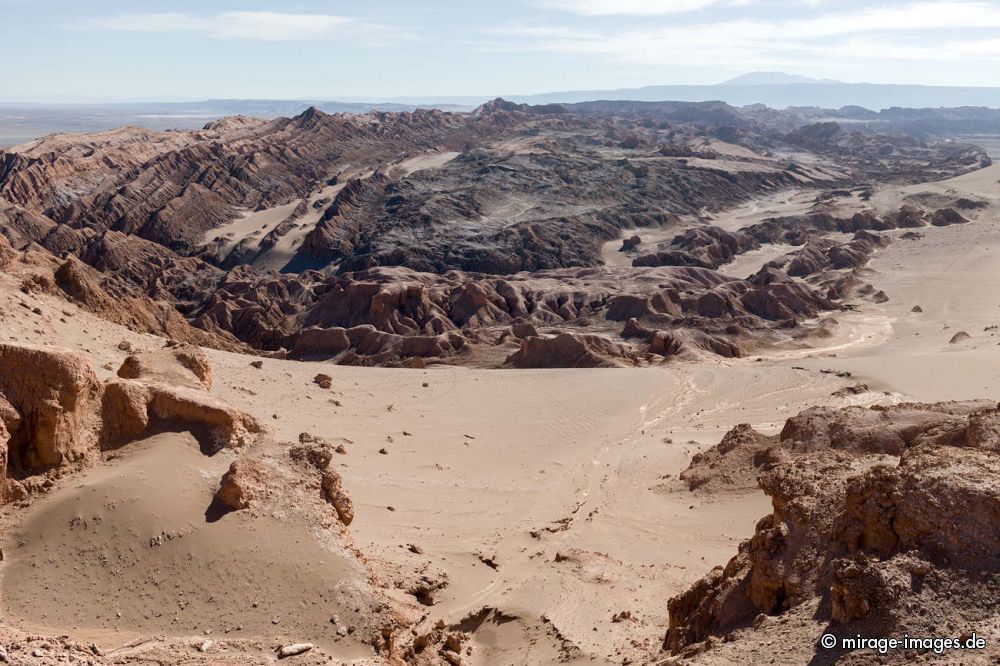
{"x": 884, "y": 522}
{"x": 570, "y": 350}
{"x": 57, "y": 396}
{"x": 946, "y": 217}
{"x": 675, "y": 342}
{"x": 55, "y": 414}
{"x": 244, "y": 483}
{"x": 317, "y": 454}
{"x": 733, "y": 463}
{"x": 256, "y": 481}
{"x": 180, "y": 365}
{"x": 341, "y": 501}
{"x": 386, "y": 314}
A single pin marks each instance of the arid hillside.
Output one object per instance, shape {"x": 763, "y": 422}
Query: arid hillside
{"x": 427, "y": 237}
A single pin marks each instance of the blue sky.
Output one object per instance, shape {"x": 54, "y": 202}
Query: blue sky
{"x": 72, "y": 50}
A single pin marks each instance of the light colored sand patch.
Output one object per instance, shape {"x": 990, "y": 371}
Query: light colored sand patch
{"x": 732, "y": 150}
{"x": 980, "y": 183}
{"x": 286, "y": 247}
{"x": 732, "y": 166}
{"x": 778, "y": 204}
{"x": 254, "y": 225}
{"x": 610, "y": 255}
{"x": 521, "y": 145}
{"x": 793, "y": 201}
{"x": 748, "y": 263}
{"x": 421, "y": 162}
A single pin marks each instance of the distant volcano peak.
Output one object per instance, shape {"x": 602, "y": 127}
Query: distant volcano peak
{"x": 772, "y": 79}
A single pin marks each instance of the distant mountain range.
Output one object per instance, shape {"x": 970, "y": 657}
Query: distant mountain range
{"x": 780, "y": 91}
{"x": 774, "y": 89}
{"x": 22, "y": 122}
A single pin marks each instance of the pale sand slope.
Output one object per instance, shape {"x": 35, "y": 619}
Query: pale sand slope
{"x": 253, "y": 225}
{"x": 952, "y": 274}
{"x": 128, "y": 550}
{"x": 421, "y": 162}
{"x": 284, "y": 250}
{"x": 580, "y": 457}
{"x": 748, "y": 263}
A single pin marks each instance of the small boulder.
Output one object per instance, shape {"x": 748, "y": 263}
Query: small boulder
{"x": 333, "y": 487}
{"x": 178, "y": 365}
{"x": 523, "y": 330}
{"x": 244, "y": 483}
{"x": 630, "y": 244}
{"x": 294, "y": 649}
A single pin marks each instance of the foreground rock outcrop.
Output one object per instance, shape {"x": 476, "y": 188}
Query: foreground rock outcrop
{"x": 54, "y": 401}
{"x": 258, "y": 480}
{"x": 56, "y": 414}
{"x": 177, "y": 364}
{"x": 568, "y": 350}
{"x": 884, "y": 524}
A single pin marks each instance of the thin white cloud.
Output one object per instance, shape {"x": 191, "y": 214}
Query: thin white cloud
{"x": 628, "y": 7}
{"x": 262, "y": 26}
{"x": 898, "y": 32}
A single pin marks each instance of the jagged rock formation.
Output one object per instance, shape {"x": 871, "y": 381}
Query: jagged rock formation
{"x": 569, "y": 350}
{"x": 392, "y": 313}
{"x": 243, "y": 484}
{"x": 548, "y": 208}
{"x": 170, "y": 187}
{"x": 884, "y": 523}
{"x": 676, "y": 341}
{"x": 711, "y": 247}
{"x": 880, "y": 156}
{"x": 256, "y": 481}
{"x": 52, "y": 400}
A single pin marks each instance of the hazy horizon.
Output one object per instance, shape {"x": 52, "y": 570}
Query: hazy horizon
{"x": 417, "y": 99}
{"x": 389, "y": 49}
